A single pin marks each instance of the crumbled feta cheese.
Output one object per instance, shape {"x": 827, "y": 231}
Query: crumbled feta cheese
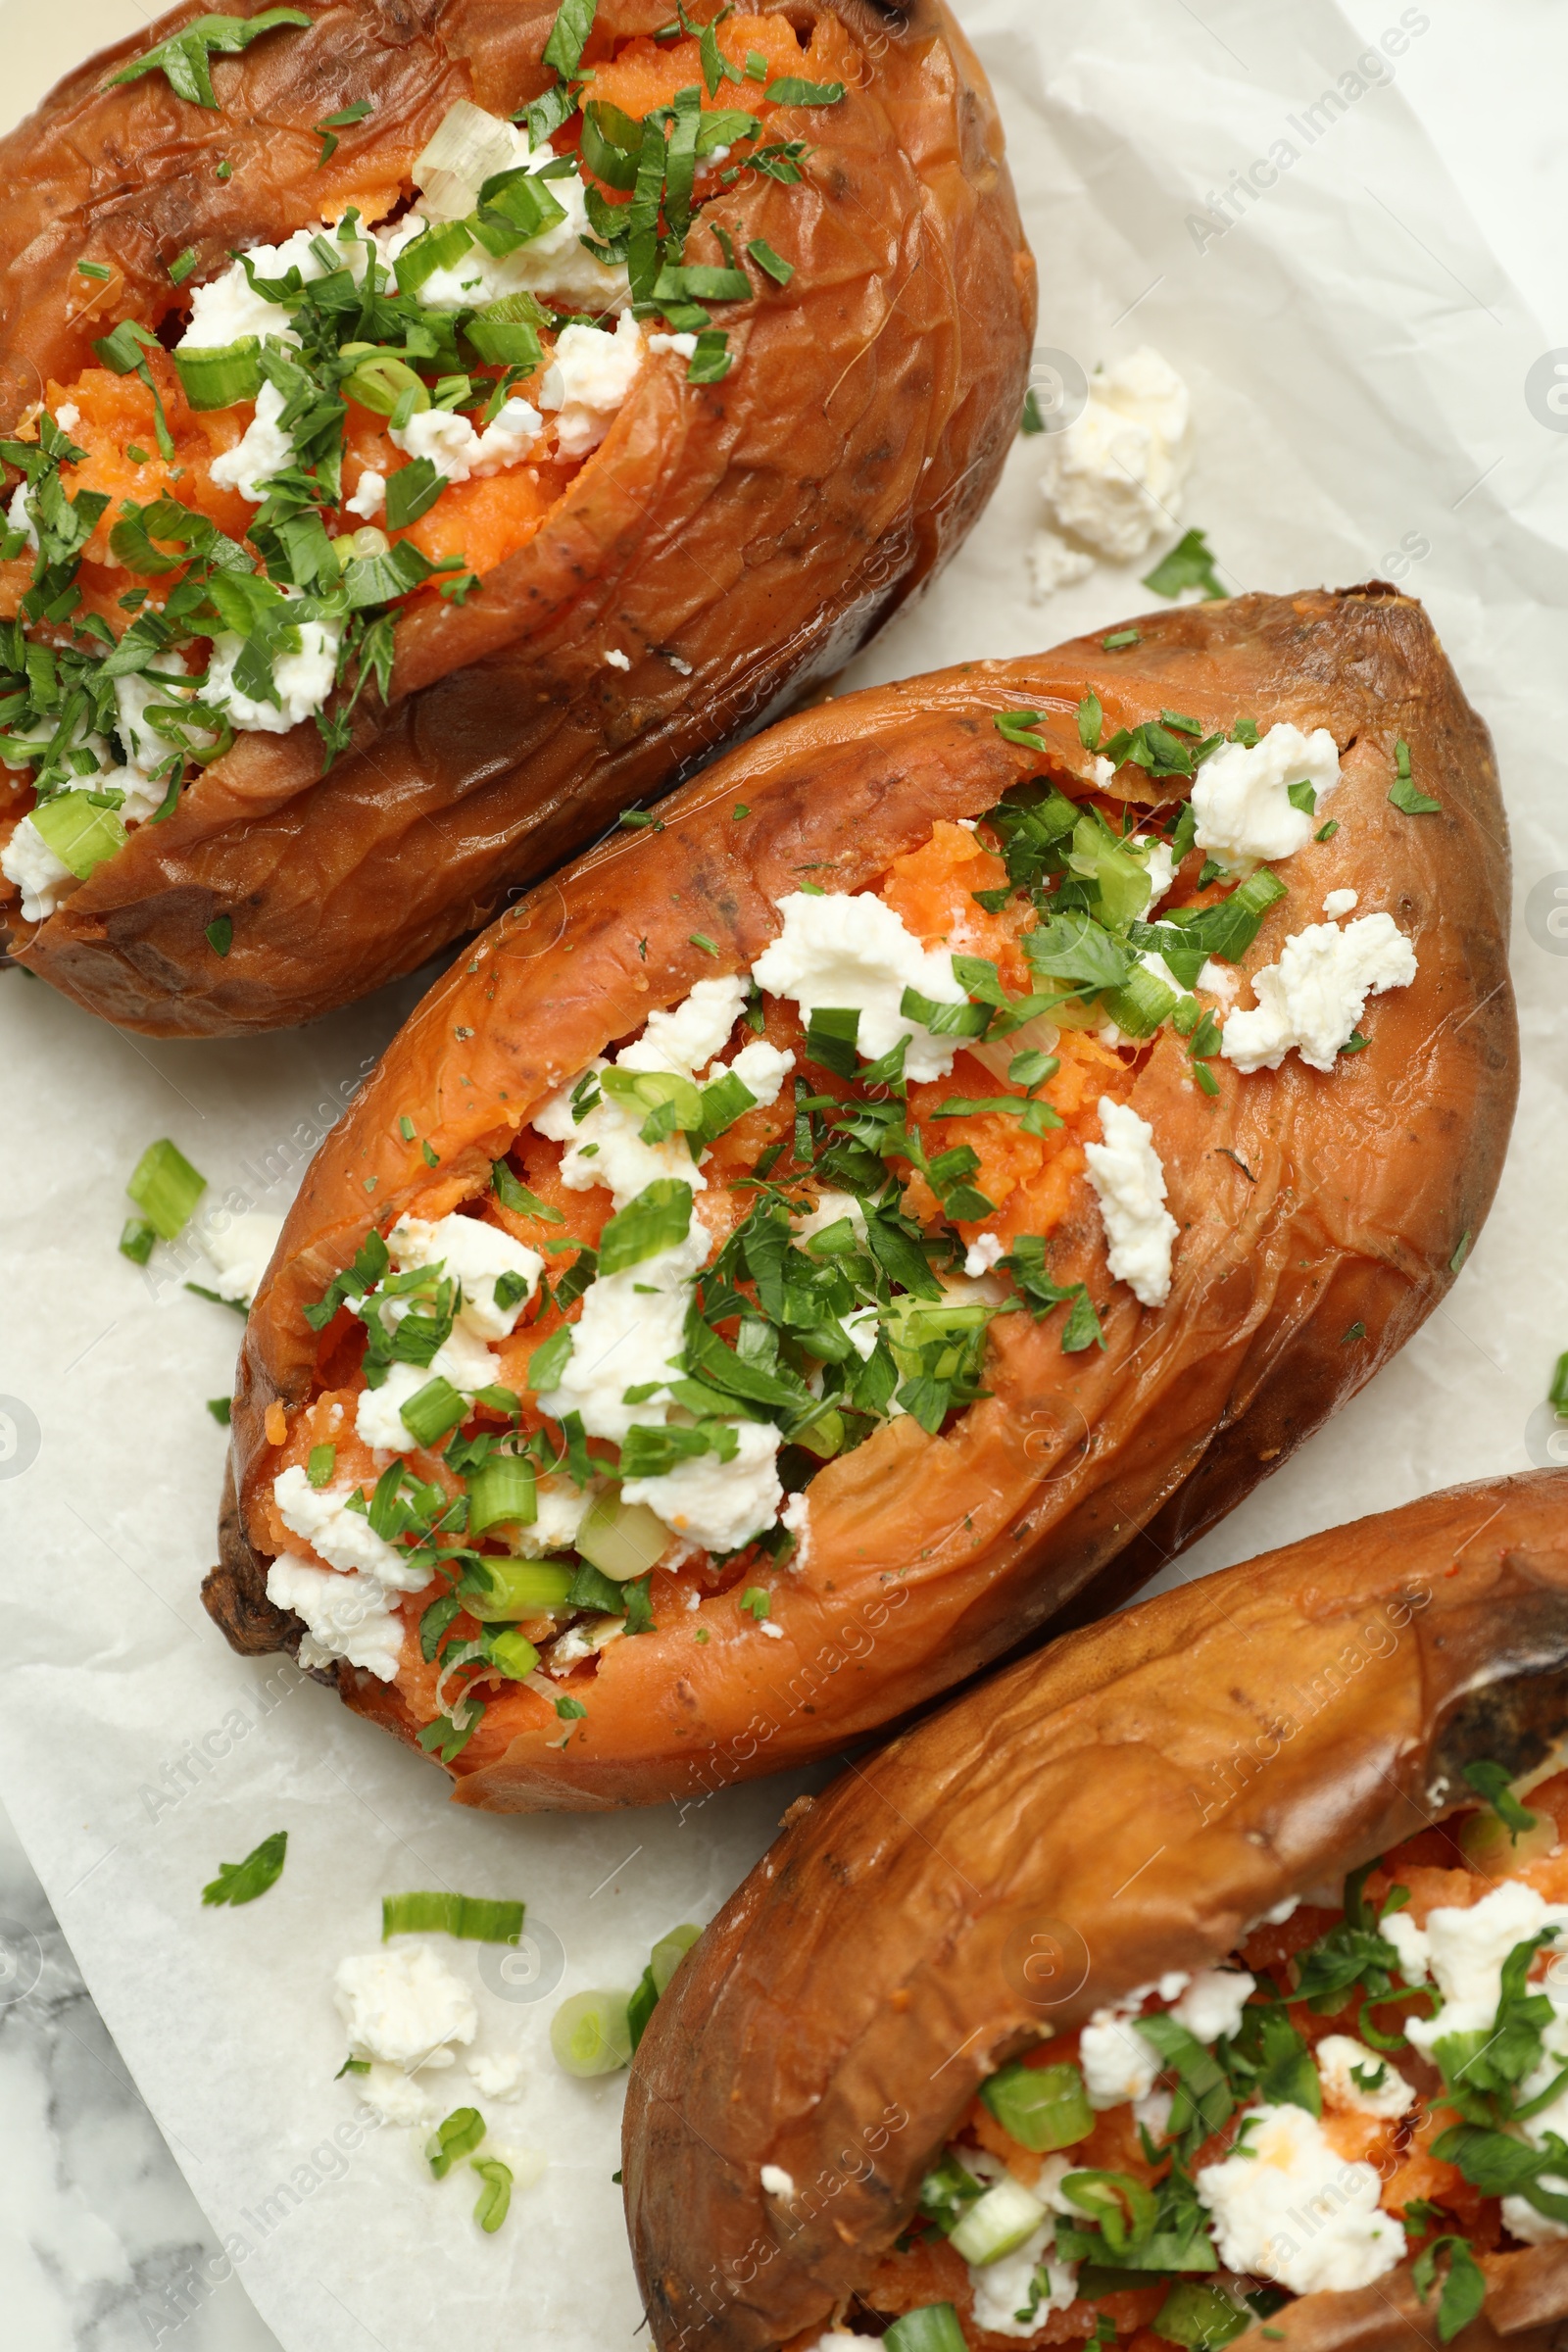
{"x": 1292, "y": 2209}
{"x": 379, "y": 1416}
{"x": 498, "y": 2073}
{"x": 1053, "y": 565}
{"x": 68, "y": 416}
{"x": 760, "y": 1067}
{"x": 832, "y": 1208}
{"x": 1213, "y": 2002}
{"x": 475, "y": 1255}
{"x": 776, "y": 2181}
{"x": 19, "y": 518}
{"x": 145, "y": 748}
{"x": 984, "y": 1251}
{"x": 42, "y": 878}
{"x": 1340, "y": 2057}
{"x": 631, "y": 1324}
{"x": 689, "y": 1034}
{"x": 1340, "y": 903}
{"x": 1219, "y": 980}
{"x": 555, "y": 262}
{"x": 684, "y": 346}
{"x": 370, "y": 496}
{"x": 796, "y": 1517}
{"x": 226, "y": 310}
{"x": 582, "y": 1640}
{"x": 1282, "y": 1911}
{"x": 397, "y": 2097}
{"x": 617, "y": 660}
{"x": 716, "y": 1504}
{"x": 560, "y": 1510}
{"x": 587, "y": 382}
{"x": 344, "y": 1538}
{"x": 1465, "y": 1950}
{"x": 1315, "y": 996}
{"x": 242, "y": 1252}
{"x": 1003, "y": 2288}
{"x": 1113, "y": 478}
{"x": 1129, "y": 1184}
{"x": 849, "y": 950}
{"x": 304, "y": 679}
{"x": 1410, "y": 1942}
{"x": 264, "y": 450}
{"x": 1118, "y": 2063}
{"x": 1532, "y": 2229}
{"x": 606, "y": 1147}
{"x": 347, "y": 1616}
{"x": 403, "y": 2006}
{"x": 1161, "y": 866}
{"x": 459, "y": 452}
{"x": 1241, "y": 795}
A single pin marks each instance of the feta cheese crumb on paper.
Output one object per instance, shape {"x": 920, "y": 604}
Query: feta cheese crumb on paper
{"x": 850, "y": 951}
{"x": 498, "y": 2073}
{"x": 242, "y": 1251}
{"x": 1129, "y": 1182}
{"x": 1292, "y": 2209}
{"x": 397, "y": 2097}
{"x": 346, "y": 1616}
{"x": 1382, "y": 2090}
{"x": 1241, "y": 795}
{"x": 1113, "y": 478}
{"x": 1315, "y": 996}
{"x": 1053, "y": 565}
{"x": 405, "y": 2006}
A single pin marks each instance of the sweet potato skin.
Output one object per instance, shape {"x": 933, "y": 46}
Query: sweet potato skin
{"x": 755, "y": 531}
{"x": 1126, "y": 1801}
{"x": 931, "y": 1557}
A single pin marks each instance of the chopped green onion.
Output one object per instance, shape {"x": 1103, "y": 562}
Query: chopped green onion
{"x": 590, "y": 2033}
{"x": 220, "y": 934}
{"x": 82, "y": 835}
{"x": 1118, "y": 638}
{"x": 380, "y": 382}
{"x": 223, "y": 376}
{"x": 513, "y": 1652}
{"x": 136, "y": 1240}
{"x": 1557, "y": 1394}
{"x": 669, "y": 1953}
{"x": 502, "y": 1489}
{"x": 166, "y": 1187}
{"x": 1200, "y": 2315}
{"x": 792, "y": 91}
{"x": 499, "y": 1590}
{"x": 413, "y": 491}
{"x": 997, "y": 2223}
{"x": 934, "y": 2328}
{"x": 327, "y": 128}
{"x": 1327, "y": 831}
{"x": 432, "y": 1410}
{"x": 181, "y": 268}
{"x": 658, "y": 1219}
{"x": 777, "y": 268}
{"x": 495, "y": 2198}
{"x": 547, "y": 1364}
{"x": 1188, "y": 564}
{"x": 222, "y": 1409}
{"x": 95, "y": 269}
{"x": 621, "y": 1540}
{"x": 570, "y": 1710}
{"x": 321, "y": 1466}
{"x": 518, "y": 1197}
{"x": 1043, "y": 2107}
{"x": 473, "y": 1917}
{"x": 243, "y": 1882}
{"x": 463, "y": 2130}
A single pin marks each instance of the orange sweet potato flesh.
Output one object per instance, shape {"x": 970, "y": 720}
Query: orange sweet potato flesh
{"x": 1307, "y": 1203}
{"x": 1128, "y": 1801}
{"x": 754, "y": 531}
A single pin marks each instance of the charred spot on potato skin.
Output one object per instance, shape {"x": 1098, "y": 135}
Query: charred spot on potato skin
{"x": 1514, "y": 1713}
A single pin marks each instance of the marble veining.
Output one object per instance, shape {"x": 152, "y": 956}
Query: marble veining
{"x": 102, "y": 2246}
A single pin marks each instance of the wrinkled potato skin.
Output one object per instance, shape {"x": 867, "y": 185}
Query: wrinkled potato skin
{"x": 930, "y": 1557}
{"x": 758, "y": 530}
{"x": 1129, "y": 1801}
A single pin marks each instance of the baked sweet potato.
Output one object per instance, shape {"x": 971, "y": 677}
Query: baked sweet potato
{"x": 945, "y": 1350}
{"x": 793, "y": 450}
{"x": 1187, "y": 1782}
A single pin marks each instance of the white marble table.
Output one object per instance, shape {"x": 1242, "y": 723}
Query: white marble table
{"x": 101, "y": 2242}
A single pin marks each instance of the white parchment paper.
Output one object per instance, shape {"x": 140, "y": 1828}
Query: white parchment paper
{"x": 1339, "y": 278}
